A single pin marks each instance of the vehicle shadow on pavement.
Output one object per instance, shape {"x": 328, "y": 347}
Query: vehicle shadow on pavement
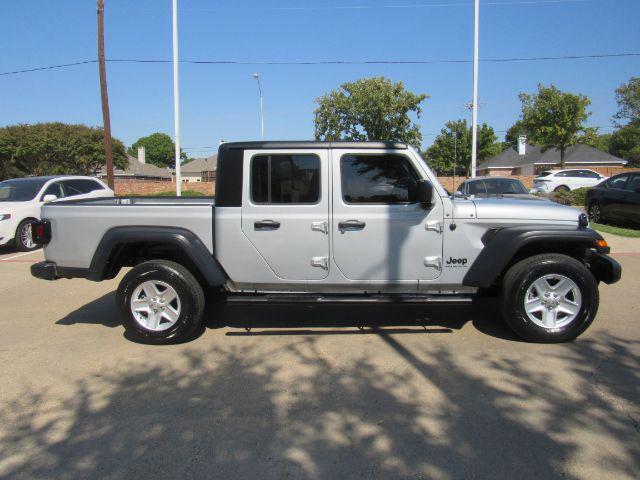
{"x": 258, "y": 410}
{"x": 348, "y": 319}
{"x": 101, "y": 311}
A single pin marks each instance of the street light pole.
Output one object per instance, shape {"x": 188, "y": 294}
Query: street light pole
{"x": 474, "y": 116}
{"x": 257, "y": 77}
{"x": 176, "y": 100}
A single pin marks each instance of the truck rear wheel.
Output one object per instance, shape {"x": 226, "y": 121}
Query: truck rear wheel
{"x": 160, "y": 302}
{"x": 549, "y": 298}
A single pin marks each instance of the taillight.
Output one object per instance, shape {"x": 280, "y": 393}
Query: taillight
{"x": 41, "y": 232}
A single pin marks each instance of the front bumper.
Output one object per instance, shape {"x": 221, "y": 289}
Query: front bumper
{"x": 51, "y": 271}
{"x": 604, "y": 268}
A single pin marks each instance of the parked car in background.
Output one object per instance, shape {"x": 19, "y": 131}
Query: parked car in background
{"x": 616, "y": 200}
{"x": 565, "y": 180}
{"x": 22, "y": 198}
{"x": 492, "y": 186}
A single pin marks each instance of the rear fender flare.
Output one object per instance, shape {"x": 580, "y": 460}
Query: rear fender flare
{"x": 185, "y": 240}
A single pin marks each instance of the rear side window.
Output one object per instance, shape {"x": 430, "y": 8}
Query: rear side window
{"x": 80, "y": 186}
{"x": 277, "y": 179}
{"x": 387, "y": 179}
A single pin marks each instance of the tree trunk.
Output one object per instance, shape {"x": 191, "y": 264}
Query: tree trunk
{"x": 108, "y": 153}
{"x": 562, "y": 158}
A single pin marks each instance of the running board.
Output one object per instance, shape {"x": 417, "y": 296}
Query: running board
{"x": 353, "y": 299}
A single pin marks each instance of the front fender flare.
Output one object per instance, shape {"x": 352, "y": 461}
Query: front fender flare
{"x": 502, "y": 245}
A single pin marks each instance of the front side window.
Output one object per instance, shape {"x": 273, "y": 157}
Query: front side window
{"x": 384, "y": 178}
{"x": 618, "y": 182}
{"x": 80, "y": 186}
{"x": 589, "y": 174}
{"x": 504, "y": 186}
{"x": 54, "y": 189}
{"x": 284, "y": 178}
{"x": 477, "y": 188}
{"x": 634, "y": 183}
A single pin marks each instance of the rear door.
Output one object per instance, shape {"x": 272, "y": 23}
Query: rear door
{"x": 380, "y": 232}
{"x": 285, "y": 210}
{"x": 631, "y": 207}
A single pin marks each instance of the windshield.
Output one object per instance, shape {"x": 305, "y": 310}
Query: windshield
{"x": 502, "y": 186}
{"x": 20, "y": 190}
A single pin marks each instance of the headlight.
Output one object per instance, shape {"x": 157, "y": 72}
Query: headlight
{"x": 5, "y": 216}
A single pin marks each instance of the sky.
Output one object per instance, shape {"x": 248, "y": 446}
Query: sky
{"x": 220, "y": 101}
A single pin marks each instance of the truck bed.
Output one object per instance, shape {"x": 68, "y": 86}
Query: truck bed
{"x": 78, "y": 226}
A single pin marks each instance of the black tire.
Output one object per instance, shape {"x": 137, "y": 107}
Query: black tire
{"x": 522, "y": 275}
{"x": 595, "y": 213}
{"x": 562, "y": 188}
{"x": 20, "y": 240}
{"x": 190, "y": 295}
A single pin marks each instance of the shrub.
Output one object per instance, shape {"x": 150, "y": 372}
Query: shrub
{"x": 573, "y": 197}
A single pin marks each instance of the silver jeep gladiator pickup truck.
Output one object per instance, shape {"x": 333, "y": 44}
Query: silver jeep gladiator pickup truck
{"x": 329, "y": 222}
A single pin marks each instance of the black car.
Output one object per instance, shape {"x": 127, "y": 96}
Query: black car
{"x": 616, "y": 200}
{"x": 492, "y": 186}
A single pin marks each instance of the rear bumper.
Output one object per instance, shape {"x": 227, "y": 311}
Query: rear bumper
{"x": 50, "y": 271}
{"x": 604, "y": 268}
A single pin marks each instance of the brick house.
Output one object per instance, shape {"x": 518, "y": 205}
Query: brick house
{"x": 200, "y": 170}
{"x": 531, "y": 160}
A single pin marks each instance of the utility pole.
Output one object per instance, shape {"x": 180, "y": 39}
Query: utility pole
{"x": 474, "y": 116}
{"x": 106, "y": 120}
{"x": 176, "y": 99}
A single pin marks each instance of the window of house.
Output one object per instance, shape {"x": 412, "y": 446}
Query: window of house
{"x": 384, "y": 178}
{"x": 284, "y": 178}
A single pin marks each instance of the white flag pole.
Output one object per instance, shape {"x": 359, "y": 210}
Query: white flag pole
{"x": 176, "y": 99}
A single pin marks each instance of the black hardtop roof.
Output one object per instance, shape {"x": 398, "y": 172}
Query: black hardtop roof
{"x": 308, "y": 144}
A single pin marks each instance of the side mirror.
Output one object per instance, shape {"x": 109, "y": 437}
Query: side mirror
{"x": 425, "y": 193}
{"x": 49, "y": 198}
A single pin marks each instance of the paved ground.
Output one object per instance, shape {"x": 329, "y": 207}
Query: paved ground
{"x": 306, "y": 395}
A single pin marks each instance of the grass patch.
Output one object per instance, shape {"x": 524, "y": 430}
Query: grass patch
{"x": 623, "y": 232}
{"x": 185, "y": 193}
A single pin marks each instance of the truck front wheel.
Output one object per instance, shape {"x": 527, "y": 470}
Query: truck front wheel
{"x": 549, "y": 298}
{"x": 160, "y": 302}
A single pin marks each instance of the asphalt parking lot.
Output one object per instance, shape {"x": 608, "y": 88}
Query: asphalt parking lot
{"x": 418, "y": 393}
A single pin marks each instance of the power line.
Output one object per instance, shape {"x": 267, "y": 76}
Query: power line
{"x": 377, "y": 7}
{"x": 329, "y": 62}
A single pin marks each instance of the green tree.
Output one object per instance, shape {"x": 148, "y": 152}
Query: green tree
{"x": 453, "y": 145}
{"x": 625, "y": 143}
{"x": 591, "y": 137}
{"x": 511, "y": 137}
{"x": 628, "y": 98}
{"x": 54, "y": 149}
{"x": 369, "y": 109}
{"x": 159, "y": 149}
{"x": 554, "y": 119}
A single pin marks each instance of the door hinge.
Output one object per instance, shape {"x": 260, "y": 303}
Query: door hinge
{"x": 434, "y": 225}
{"x": 320, "y": 227}
{"x": 322, "y": 262}
{"x": 434, "y": 262}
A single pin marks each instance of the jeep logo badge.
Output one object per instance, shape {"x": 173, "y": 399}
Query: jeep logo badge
{"x": 457, "y": 262}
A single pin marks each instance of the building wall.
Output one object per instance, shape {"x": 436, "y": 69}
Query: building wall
{"x": 147, "y": 187}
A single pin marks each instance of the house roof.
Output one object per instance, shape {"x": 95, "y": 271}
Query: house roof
{"x": 580, "y": 153}
{"x": 138, "y": 169}
{"x": 199, "y": 165}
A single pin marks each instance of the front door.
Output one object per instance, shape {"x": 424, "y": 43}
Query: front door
{"x": 285, "y": 210}
{"x": 379, "y": 230}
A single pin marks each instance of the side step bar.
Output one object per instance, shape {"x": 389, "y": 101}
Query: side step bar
{"x": 353, "y": 299}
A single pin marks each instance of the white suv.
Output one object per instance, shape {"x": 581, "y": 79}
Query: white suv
{"x": 22, "y": 198}
{"x": 565, "y": 180}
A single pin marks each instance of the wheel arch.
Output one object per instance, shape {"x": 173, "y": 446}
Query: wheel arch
{"x": 131, "y": 245}
{"x": 507, "y": 246}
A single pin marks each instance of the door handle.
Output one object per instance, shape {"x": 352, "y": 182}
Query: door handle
{"x": 351, "y": 224}
{"x": 267, "y": 224}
